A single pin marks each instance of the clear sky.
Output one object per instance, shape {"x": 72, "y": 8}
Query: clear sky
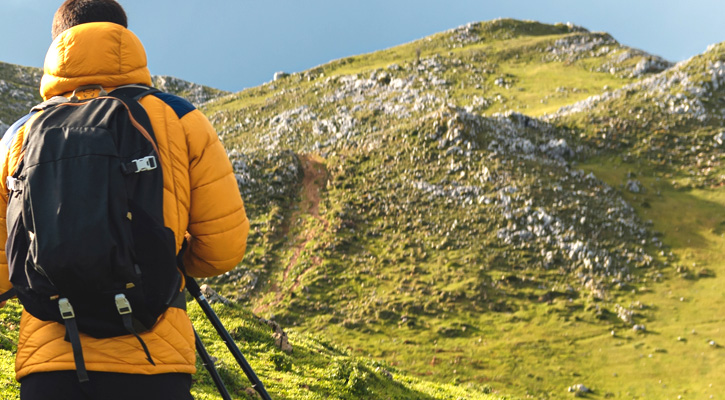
{"x": 236, "y": 44}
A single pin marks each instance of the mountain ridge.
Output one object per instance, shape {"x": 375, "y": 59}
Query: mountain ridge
{"x": 19, "y": 90}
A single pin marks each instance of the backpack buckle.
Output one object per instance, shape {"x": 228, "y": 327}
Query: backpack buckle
{"x": 13, "y": 184}
{"x": 66, "y": 310}
{"x": 122, "y": 304}
{"x": 145, "y": 164}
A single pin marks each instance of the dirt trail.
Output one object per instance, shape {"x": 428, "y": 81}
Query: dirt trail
{"x": 313, "y": 182}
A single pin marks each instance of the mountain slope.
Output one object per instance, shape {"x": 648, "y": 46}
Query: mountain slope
{"x": 395, "y": 210}
{"x": 672, "y": 120}
{"x": 664, "y": 135}
{"x": 18, "y": 92}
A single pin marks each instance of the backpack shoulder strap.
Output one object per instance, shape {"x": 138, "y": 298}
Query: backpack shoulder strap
{"x": 130, "y": 95}
{"x": 52, "y": 102}
{"x": 135, "y": 92}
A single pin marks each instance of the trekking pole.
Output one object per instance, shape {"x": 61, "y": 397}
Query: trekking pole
{"x": 209, "y": 365}
{"x": 195, "y": 291}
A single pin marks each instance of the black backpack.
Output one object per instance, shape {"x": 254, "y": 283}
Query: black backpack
{"x": 87, "y": 246}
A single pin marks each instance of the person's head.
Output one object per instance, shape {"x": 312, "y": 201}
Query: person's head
{"x": 76, "y": 12}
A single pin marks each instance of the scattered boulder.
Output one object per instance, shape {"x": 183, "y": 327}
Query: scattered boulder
{"x": 279, "y": 75}
{"x": 719, "y": 138}
{"x": 579, "y": 390}
{"x": 624, "y": 314}
{"x": 648, "y": 65}
{"x": 465, "y": 34}
{"x": 384, "y": 372}
{"x": 212, "y": 296}
{"x": 197, "y": 94}
{"x": 280, "y": 336}
{"x": 634, "y": 186}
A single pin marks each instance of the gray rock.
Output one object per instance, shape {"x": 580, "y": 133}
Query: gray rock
{"x": 634, "y": 186}
{"x": 213, "y": 296}
{"x": 624, "y": 314}
{"x": 719, "y": 138}
{"x": 384, "y": 372}
{"x": 279, "y": 335}
{"x": 579, "y": 389}
{"x": 279, "y": 75}
{"x": 197, "y": 94}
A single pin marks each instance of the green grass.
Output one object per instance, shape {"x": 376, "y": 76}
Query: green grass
{"x": 563, "y": 84}
{"x": 317, "y": 368}
{"x": 9, "y": 324}
{"x": 685, "y": 309}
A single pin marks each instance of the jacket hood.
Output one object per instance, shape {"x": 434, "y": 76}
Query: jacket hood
{"x": 96, "y": 53}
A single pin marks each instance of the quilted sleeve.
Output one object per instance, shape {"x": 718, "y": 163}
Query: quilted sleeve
{"x": 218, "y": 224}
{"x": 4, "y": 276}
{"x": 10, "y": 147}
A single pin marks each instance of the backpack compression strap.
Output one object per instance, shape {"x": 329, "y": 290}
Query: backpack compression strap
{"x": 71, "y": 329}
{"x": 8, "y": 295}
{"x": 124, "y": 308}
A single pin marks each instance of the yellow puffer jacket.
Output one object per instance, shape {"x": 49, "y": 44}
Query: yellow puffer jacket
{"x": 201, "y": 202}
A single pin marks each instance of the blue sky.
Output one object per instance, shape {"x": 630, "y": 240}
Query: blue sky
{"x": 236, "y": 44}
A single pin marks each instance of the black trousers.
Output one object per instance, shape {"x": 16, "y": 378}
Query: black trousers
{"x": 64, "y": 385}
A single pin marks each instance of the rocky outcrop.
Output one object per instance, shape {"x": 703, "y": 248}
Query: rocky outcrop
{"x": 197, "y": 94}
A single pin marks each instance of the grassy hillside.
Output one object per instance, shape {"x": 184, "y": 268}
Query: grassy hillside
{"x": 18, "y": 92}
{"x": 314, "y": 368}
{"x": 411, "y": 219}
{"x": 665, "y": 134}
{"x": 507, "y": 208}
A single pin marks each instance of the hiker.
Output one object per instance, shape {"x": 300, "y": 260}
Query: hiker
{"x": 201, "y": 205}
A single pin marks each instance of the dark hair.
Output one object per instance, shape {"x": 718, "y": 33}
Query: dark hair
{"x": 76, "y": 12}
